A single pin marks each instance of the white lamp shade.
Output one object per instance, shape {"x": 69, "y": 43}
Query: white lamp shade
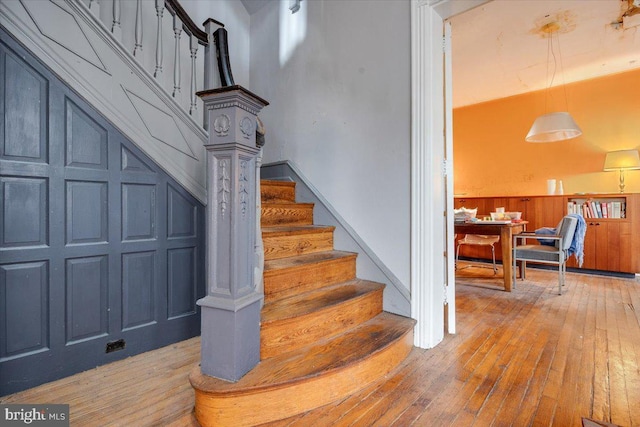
{"x": 553, "y": 127}
{"x": 623, "y": 159}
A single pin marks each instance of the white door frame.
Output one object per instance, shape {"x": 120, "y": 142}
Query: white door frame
{"x": 431, "y": 194}
{"x": 450, "y": 277}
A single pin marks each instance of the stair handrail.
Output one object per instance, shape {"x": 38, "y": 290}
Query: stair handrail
{"x": 175, "y": 8}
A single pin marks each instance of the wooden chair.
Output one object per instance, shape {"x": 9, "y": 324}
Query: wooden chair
{"x": 558, "y": 254}
{"x": 479, "y": 240}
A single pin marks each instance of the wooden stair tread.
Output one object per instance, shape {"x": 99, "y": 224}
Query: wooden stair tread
{"x": 277, "y": 183}
{"x": 275, "y": 191}
{"x": 291, "y": 230}
{"x": 286, "y": 203}
{"x": 317, "y": 300}
{"x": 324, "y": 357}
{"x": 293, "y": 240}
{"x": 280, "y": 202}
{"x": 303, "y": 261}
{"x": 284, "y": 277}
{"x": 286, "y": 213}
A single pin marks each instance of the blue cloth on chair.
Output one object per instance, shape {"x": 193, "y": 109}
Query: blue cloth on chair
{"x": 577, "y": 245}
{"x": 548, "y": 231}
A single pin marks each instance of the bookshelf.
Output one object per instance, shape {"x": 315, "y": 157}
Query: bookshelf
{"x": 614, "y": 207}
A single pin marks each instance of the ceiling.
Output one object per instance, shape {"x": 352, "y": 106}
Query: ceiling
{"x": 498, "y": 49}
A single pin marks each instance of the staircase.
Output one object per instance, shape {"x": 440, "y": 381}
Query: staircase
{"x": 324, "y": 335}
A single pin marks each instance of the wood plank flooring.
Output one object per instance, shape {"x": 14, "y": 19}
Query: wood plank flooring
{"x": 530, "y": 357}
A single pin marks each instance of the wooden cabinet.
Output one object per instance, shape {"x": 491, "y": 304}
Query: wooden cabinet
{"x": 607, "y": 246}
{"x": 611, "y": 244}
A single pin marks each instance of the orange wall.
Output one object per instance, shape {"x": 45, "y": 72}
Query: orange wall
{"x": 491, "y": 157}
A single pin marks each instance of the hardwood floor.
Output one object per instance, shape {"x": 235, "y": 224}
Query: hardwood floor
{"x": 530, "y": 357}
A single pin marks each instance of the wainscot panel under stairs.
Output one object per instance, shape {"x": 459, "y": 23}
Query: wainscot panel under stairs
{"x": 324, "y": 335}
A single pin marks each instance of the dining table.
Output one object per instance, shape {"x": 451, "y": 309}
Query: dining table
{"x": 504, "y": 229}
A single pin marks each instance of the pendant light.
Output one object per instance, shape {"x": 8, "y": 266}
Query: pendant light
{"x": 557, "y": 126}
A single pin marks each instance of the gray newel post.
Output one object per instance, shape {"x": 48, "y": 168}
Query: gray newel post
{"x": 231, "y": 309}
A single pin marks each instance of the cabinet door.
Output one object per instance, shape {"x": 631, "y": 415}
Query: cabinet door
{"x": 607, "y": 246}
{"x": 614, "y": 246}
{"x": 595, "y": 248}
{"x": 590, "y": 252}
{"x": 601, "y": 231}
{"x": 545, "y": 212}
{"x": 519, "y": 204}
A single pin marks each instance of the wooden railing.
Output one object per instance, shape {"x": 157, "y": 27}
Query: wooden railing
{"x": 129, "y": 21}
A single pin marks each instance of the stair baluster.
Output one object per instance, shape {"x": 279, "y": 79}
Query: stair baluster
{"x": 193, "y": 47}
{"x": 138, "y": 30}
{"x": 159, "y": 13}
{"x": 116, "y": 29}
{"x": 177, "y": 30}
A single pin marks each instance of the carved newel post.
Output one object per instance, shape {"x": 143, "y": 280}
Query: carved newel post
{"x": 231, "y": 309}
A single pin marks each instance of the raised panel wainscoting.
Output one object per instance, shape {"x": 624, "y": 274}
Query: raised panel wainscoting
{"x": 98, "y": 244}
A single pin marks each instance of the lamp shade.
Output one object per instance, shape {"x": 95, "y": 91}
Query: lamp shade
{"x": 553, "y": 127}
{"x": 622, "y": 160}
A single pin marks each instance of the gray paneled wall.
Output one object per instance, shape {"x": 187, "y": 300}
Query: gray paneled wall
{"x": 97, "y": 243}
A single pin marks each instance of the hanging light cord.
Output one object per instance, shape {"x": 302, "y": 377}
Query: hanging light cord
{"x": 564, "y": 83}
{"x": 551, "y": 53}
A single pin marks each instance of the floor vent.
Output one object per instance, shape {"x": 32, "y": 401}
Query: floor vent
{"x": 115, "y": 346}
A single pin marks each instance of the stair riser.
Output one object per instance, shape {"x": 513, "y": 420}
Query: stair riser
{"x": 241, "y": 410}
{"x": 273, "y": 215}
{"x": 285, "y": 246}
{"x": 277, "y": 192}
{"x": 290, "y": 334}
{"x": 292, "y": 281}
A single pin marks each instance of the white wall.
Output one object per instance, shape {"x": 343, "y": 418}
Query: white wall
{"x": 237, "y": 23}
{"x": 340, "y": 109}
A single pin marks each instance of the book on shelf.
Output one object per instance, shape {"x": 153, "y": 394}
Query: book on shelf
{"x": 615, "y": 210}
{"x": 597, "y": 209}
